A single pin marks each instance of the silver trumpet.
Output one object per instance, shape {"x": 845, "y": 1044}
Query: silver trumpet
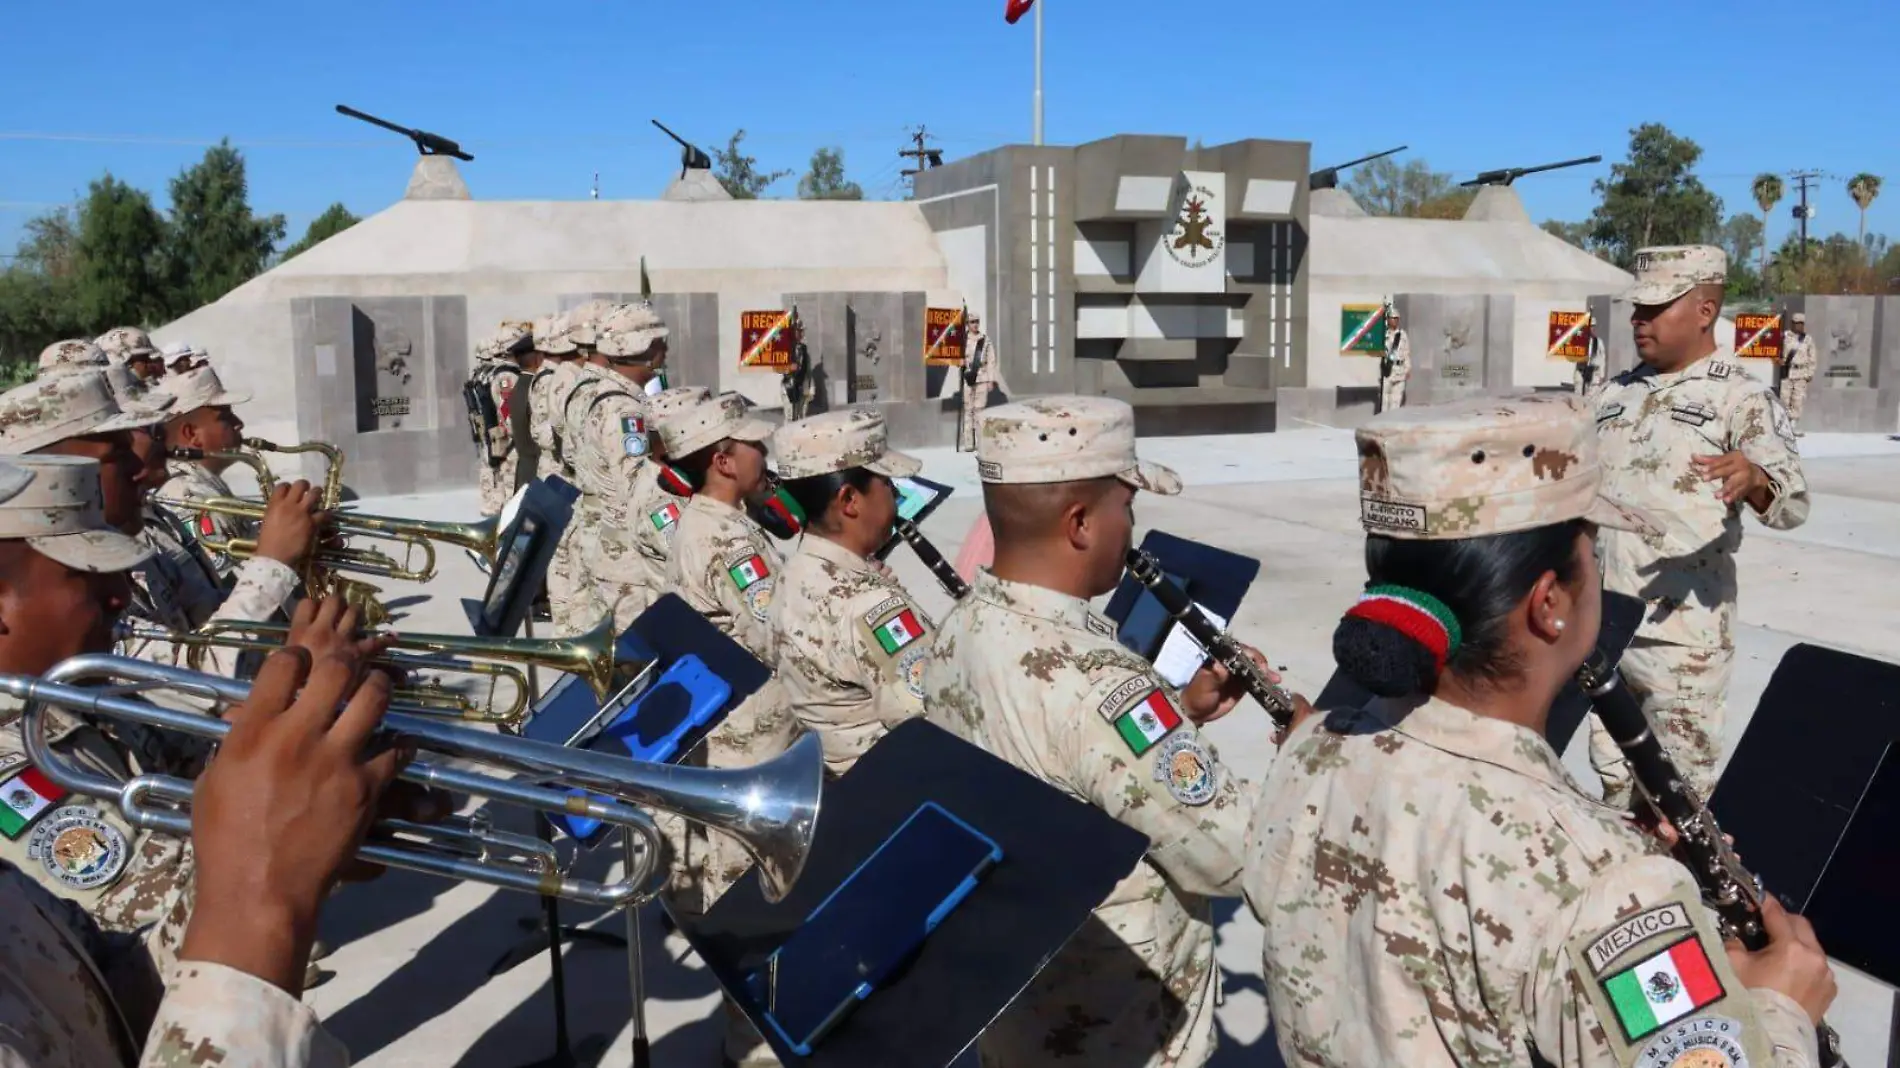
{"x": 771, "y": 808}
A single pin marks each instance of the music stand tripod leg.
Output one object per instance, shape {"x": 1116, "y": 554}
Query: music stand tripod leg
{"x": 636, "y": 967}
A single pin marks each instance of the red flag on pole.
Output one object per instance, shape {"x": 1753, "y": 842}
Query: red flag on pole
{"x": 1017, "y": 9}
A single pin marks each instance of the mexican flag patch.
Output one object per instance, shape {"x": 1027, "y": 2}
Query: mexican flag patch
{"x": 1654, "y": 993}
{"x": 665, "y": 517}
{"x": 748, "y": 571}
{"x": 1147, "y": 722}
{"x": 206, "y": 526}
{"x": 26, "y": 795}
{"x": 898, "y": 631}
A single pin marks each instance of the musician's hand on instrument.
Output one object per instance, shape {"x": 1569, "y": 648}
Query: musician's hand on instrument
{"x": 1793, "y": 961}
{"x": 332, "y": 627}
{"x": 402, "y": 801}
{"x": 1302, "y": 708}
{"x": 1214, "y": 691}
{"x": 282, "y": 809}
{"x": 290, "y": 525}
{"x": 884, "y": 569}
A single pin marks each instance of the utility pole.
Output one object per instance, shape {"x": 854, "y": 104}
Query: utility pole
{"x": 925, "y": 156}
{"x": 1803, "y": 211}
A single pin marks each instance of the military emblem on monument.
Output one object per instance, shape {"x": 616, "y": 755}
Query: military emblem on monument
{"x": 1197, "y": 237}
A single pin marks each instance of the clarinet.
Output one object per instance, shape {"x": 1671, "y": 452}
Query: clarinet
{"x": 1731, "y": 891}
{"x": 1219, "y": 644}
{"x": 952, "y": 582}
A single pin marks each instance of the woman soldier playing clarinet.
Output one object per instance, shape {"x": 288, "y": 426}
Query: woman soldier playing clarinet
{"x": 1436, "y": 890}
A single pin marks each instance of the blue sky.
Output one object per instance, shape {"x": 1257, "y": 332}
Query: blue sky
{"x": 545, "y": 94}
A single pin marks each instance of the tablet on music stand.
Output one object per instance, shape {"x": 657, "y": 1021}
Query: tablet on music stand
{"x": 917, "y": 497}
{"x": 532, "y": 524}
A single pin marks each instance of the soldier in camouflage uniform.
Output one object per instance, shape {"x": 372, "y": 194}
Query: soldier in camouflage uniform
{"x": 979, "y": 376}
{"x": 726, "y": 567}
{"x": 566, "y": 407}
{"x": 79, "y": 355}
{"x": 1802, "y": 361}
{"x": 201, "y": 417}
{"x": 655, "y": 506}
{"x": 510, "y": 340}
{"x": 1692, "y": 437}
{"x": 1396, "y": 368}
{"x": 1024, "y": 668}
{"x": 848, "y": 638}
{"x": 1435, "y": 888}
{"x": 553, "y": 338}
{"x": 132, "y": 348}
{"x": 612, "y": 442}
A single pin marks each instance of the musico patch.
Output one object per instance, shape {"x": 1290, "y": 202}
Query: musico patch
{"x": 1186, "y": 769}
{"x": 634, "y": 435}
{"x": 78, "y": 847}
{"x": 1705, "y": 1042}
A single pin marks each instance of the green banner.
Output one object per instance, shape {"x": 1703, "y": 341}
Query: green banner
{"x": 1362, "y": 329}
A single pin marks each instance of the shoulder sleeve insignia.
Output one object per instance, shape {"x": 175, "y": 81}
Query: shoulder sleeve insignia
{"x": 747, "y": 570}
{"x": 665, "y": 517}
{"x": 77, "y": 847}
{"x": 25, "y": 796}
{"x": 898, "y": 630}
{"x": 1186, "y": 768}
{"x": 910, "y": 668}
{"x": 1140, "y": 712}
{"x": 1719, "y": 369}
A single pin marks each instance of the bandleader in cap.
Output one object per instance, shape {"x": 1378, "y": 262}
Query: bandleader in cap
{"x": 50, "y": 410}
{"x": 839, "y": 441}
{"x": 1666, "y": 272}
{"x": 198, "y": 388}
{"x": 60, "y": 512}
{"x": 709, "y": 422}
{"x": 1488, "y": 465}
{"x": 1066, "y": 439}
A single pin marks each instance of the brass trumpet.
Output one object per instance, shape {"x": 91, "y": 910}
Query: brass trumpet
{"x": 771, "y": 809}
{"x": 415, "y": 536}
{"x": 332, "y": 494}
{"x": 589, "y": 656}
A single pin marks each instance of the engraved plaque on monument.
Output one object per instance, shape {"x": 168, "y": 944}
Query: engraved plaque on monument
{"x": 1448, "y": 346}
{"x": 1843, "y": 333}
{"x": 391, "y": 392}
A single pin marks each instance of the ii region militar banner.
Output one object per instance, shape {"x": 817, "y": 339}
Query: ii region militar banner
{"x": 1570, "y": 336}
{"x": 1362, "y": 330}
{"x": 1758, "y": 335}
{"x": 768, "y": 340}
{"x": 943, "y": 337}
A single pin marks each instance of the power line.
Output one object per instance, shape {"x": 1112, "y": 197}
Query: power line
{"x": 925, "y": 156}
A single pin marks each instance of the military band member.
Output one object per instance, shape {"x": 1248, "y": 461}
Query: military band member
{"x": 1801, "y": 360}
{"x": 80, "y": 356}
{"x": 613, "y": 442}
{"x": 554, "y": 338}
{"x": 1690, "y": 436}
{"x": 655, "y": 506}
{"x": 181, "y": 356}
{"x": 132, "y": 348}
{"x": 583, "y": 606}
{"x": 1024, "y": 668}
{"x": 1396, "y": 368}
{"x": 1435, "y": 888}
{"x": 512, "y": 340}
{"x": 849, "y": 640}
{"x": 201, "y": 417}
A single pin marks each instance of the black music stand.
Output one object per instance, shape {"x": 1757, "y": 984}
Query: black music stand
{"x": 1061, "y": 858}
{"x": 1215, "y": 579}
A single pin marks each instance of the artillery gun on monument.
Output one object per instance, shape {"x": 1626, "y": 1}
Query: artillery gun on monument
{"x": 1511, "y": 174}
{"x": 426, "y": 143}
{"x": 692, "y": 157}
{"x": 1328, "y": 177}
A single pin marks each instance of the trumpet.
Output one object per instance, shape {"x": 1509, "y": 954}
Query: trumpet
{"x": 333, "y": 476}
{"x": 416, "y": 536}
{"x": 589, "y": 656}
{"x": 266, "y": 482}
{"x": 771, "y": 808}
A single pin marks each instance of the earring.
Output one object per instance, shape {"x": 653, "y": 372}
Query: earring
{"x": 1559, "y": 624}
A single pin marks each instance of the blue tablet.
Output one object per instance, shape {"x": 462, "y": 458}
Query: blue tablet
{"x": 871, "y": 925}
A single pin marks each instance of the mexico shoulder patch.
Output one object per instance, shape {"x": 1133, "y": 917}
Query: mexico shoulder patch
{"x": 748, "y": 570}
{"x": 1140, "y": 712}
{"x": 27, "y": 795}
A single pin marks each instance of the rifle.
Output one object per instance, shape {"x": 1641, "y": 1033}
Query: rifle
{"x": 426, "y": 143}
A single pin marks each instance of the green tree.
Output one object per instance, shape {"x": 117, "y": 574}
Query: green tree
{"x": 1741, "y": 237}
{"x": 216, "y": 243}
{"x": 1577, "y": 233}
{"x": 120, "y": 277}
{"x": 1768, "y": 190}
{"x": 1836, "y": 264}
{"x": 825, "y": 180}
{"x": 1863, "y": 188}
{"x": 740, "y": 173}
{"x": 1412, "y": 190}
{"x": 1653, "y": 197}
{"x": 335, "y": 219}
{"x": 39, "y": 291}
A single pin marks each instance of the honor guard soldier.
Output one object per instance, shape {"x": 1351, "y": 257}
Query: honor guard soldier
{"x": 979, "y": 376}
{"x": 1025, "y": 669}
{"x": 612, "y": 447}
{"x": 498, "y": 380}
{"x": 1801, "y": 361}
{"x": 201, "y": 417}
{"x": 1587, "y": 377}
{"x": 1396, "y": 368}
{"x": 132, "y": 348}
{"x": 850, "y": 641}
{"x": 1435, "y": 888}
{"x": 1694, "y": 439}
{"x": 654, "y": 508}
{"x": 797, "y": 386}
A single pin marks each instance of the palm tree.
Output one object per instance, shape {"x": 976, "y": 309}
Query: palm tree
{"x": 1863, "y": 187}
{"x": 1768, "y": 192}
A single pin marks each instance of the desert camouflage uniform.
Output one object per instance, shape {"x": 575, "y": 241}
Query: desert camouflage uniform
{"x": 179, "y": 589}
{"x": 192, "y": 481}
{"x": 848, "y": 640}
{"x": 1435, "y": 889}
{"x": 583, "y": 607}
{"x": 1650, "y": 426}
{"x": 550, "y": 391}
{"x": 610, "y": 455}
{"x": 653, "y": 513}
{"x": 72, "y": 996}
{"x": 1036, "y": 678}
{"x": 979, "y": 376}
{"x": 1803, "y": 360}
{"x": 501, "y": 442}
{"x": 1398, "y": 355}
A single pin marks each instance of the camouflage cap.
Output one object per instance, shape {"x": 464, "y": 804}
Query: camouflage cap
{"x": 76, "y": 354}
{"x": 671, "y": 402}
{"x": 551, "y": 335}
{"x": 121, "y": 343}
{"x": 511, "y": 338}
{"x": 628, "y": 330}
{"x": 1066, "y": 439}
{"x": 839, "y": 441}
{"x": 50, "y": 410}
{"x": 709, "y": 422}
{"x": 133, "y": 395}
{"x": 176, "y": 352}
{"x": 1488, "y": 465}
{"x": 583, "y": 321}
{"x": 1666, "y": 272}
{"x": 198, "y": 388}
{"x": 60, "y": 513}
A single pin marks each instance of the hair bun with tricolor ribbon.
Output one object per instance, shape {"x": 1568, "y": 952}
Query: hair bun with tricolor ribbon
{"x": 1396, "y": 640}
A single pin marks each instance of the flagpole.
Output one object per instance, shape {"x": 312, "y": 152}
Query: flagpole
{"x": 1038, "y": 103}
